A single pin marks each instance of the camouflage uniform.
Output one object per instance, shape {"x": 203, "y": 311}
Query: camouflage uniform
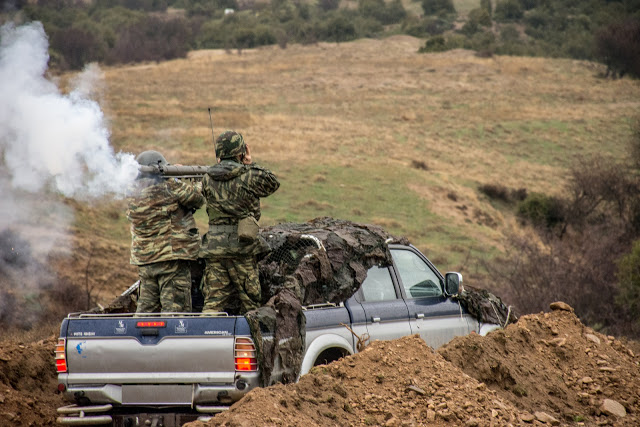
{"x": 164, "y": 238}
{"x": 233, "y": 191}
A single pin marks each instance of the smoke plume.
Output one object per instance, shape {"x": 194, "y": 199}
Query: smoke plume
{"x": 50, "y": 140}
{"x": 51, "y": 145}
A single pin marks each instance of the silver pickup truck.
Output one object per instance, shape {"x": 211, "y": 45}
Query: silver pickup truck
{"x": 165, "y": 370}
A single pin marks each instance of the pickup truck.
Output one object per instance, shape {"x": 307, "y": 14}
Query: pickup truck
{"x": 167, "y": 369}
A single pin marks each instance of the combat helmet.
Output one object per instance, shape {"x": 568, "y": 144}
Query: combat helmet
{"x": 151, "y": 158}
{"x": 229, "y": 145}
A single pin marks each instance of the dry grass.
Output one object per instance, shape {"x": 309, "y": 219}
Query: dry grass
{"x": 343, "y": 124}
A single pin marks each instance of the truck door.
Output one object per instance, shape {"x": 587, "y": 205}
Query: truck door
{"x": 386, "y": 313}
{"x": 435, "y": 317}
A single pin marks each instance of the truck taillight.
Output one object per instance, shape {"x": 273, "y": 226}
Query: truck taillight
{"x": 61, "y": 357}
{"x": 245, "y": 355}
{"x": 152, "y": 324}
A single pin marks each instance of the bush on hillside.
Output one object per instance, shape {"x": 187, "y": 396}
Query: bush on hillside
{"x": 618, "y": 47}
{"x": 509, "y": 33}
{"x": 144, "y": 5}
{"x": 152, "y": 39}
{"x": 530, "y": 4}
{"x": 300, "y": 31}
{"x": 327, "y": 5}
{"x": 483, "y": 42}
{"x": 438, "y": 7}
{"x": 76, "y": 48}
{"x": 502, "y": 193}
{"x": 477, "y": 19}
{"x": 426, "y": 26}
{"x": 339, "y": 28}
{"x": 541, "y": 210}
{"x": 390, "y": 13}
{"x": 508, "y": 10}
{"x": 634, "y": 145}
{"x": 628, "y": 275}
{"x": 486, "y": 6}
{"x": 367, "y": 27}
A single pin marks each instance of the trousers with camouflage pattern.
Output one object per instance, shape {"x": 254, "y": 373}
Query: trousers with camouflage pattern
{"x": 231, "y": 284}
{"x": 165, "y": 286}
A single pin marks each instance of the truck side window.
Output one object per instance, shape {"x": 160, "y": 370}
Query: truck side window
{"x": 378, "y": 285}
{"x": 418, "y": 279}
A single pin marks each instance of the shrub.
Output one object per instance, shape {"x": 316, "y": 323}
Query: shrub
{"x": 327, "y": 5}
{"x": 152, "y": 40}
{"x": 481, "y": 16}
{"x": 618, "y": 47}
{"x": 634, "y": 145}
{"x": 395, "y": 12}
{"x": 300, "y": 31}
{"x": 486, "y": 5}
{"x": 367, "y": 27}
{"x": 541, "y": 210}
{"x": 628, "y": 275}
{"x": 77, "y": 47}
{"x": 438, "y": 7}
{"x": 477, "y": 18}
{"x": 509, "y": 34}
{"x": 427, "y": 26}
{"x": 371, "y": 8}
{"x": 500, "y": 192}
{"x": 385, "y": 13}
{"x": 339, "y": 28}
{"x": 508, "y": 10}
{"x": 495, "y": 191}
{"x": 434, "y": 44}
{"x": 529, "y": 4}
{"x": 484, "y": 43}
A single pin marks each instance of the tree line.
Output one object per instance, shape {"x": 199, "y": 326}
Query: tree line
{"x": 125, "y": 31}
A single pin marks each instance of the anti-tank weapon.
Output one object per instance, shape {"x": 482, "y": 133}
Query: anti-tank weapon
{"x": 174, "y": 171}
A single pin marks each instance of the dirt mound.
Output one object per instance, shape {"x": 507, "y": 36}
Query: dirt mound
{"x": 28, "y": 383}
{"x": 551, "y": 362}
{"x": 392, "y": 383}
{"x": 546, "y": 369}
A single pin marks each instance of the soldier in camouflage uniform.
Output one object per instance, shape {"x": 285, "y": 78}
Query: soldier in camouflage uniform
{"x": 164, "y": 237}
{"x": 233, "y": 189}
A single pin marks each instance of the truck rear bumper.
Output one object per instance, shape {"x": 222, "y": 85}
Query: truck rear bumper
{"x": 84, "y": 415}
{"x": 158, "y": 395}
{"x": 74, "y": 415}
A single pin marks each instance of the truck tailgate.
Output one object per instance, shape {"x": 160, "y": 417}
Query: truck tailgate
{"x": 150, "y": 350}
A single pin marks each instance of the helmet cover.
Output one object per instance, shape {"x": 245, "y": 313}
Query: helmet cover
{"x": 151, "y": 158}
{"x": 229, "y": 145}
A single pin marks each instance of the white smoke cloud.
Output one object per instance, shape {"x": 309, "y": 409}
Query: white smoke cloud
{"x": 51, "y": 144}
{"x": 53, "y": 141}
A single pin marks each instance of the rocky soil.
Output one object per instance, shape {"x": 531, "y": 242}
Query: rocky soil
{"x": 546, "y": 369}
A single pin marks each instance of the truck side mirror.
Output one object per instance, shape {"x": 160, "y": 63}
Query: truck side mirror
{"x": 452, "y": 283}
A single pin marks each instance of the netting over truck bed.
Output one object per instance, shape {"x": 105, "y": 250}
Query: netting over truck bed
{"x": 323, "y": 260}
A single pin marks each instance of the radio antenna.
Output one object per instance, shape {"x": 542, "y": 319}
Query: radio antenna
{"x": 213, "y": 138}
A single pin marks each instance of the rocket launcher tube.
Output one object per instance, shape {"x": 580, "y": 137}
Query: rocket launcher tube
{"x": 175, "y": 171}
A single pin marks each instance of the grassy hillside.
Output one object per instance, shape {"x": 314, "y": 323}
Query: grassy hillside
{"x": 372, "y": 131}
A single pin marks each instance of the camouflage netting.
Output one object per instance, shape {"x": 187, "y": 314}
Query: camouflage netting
{"x": 486, "y": 307}
{"x": 321, "y": 261}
